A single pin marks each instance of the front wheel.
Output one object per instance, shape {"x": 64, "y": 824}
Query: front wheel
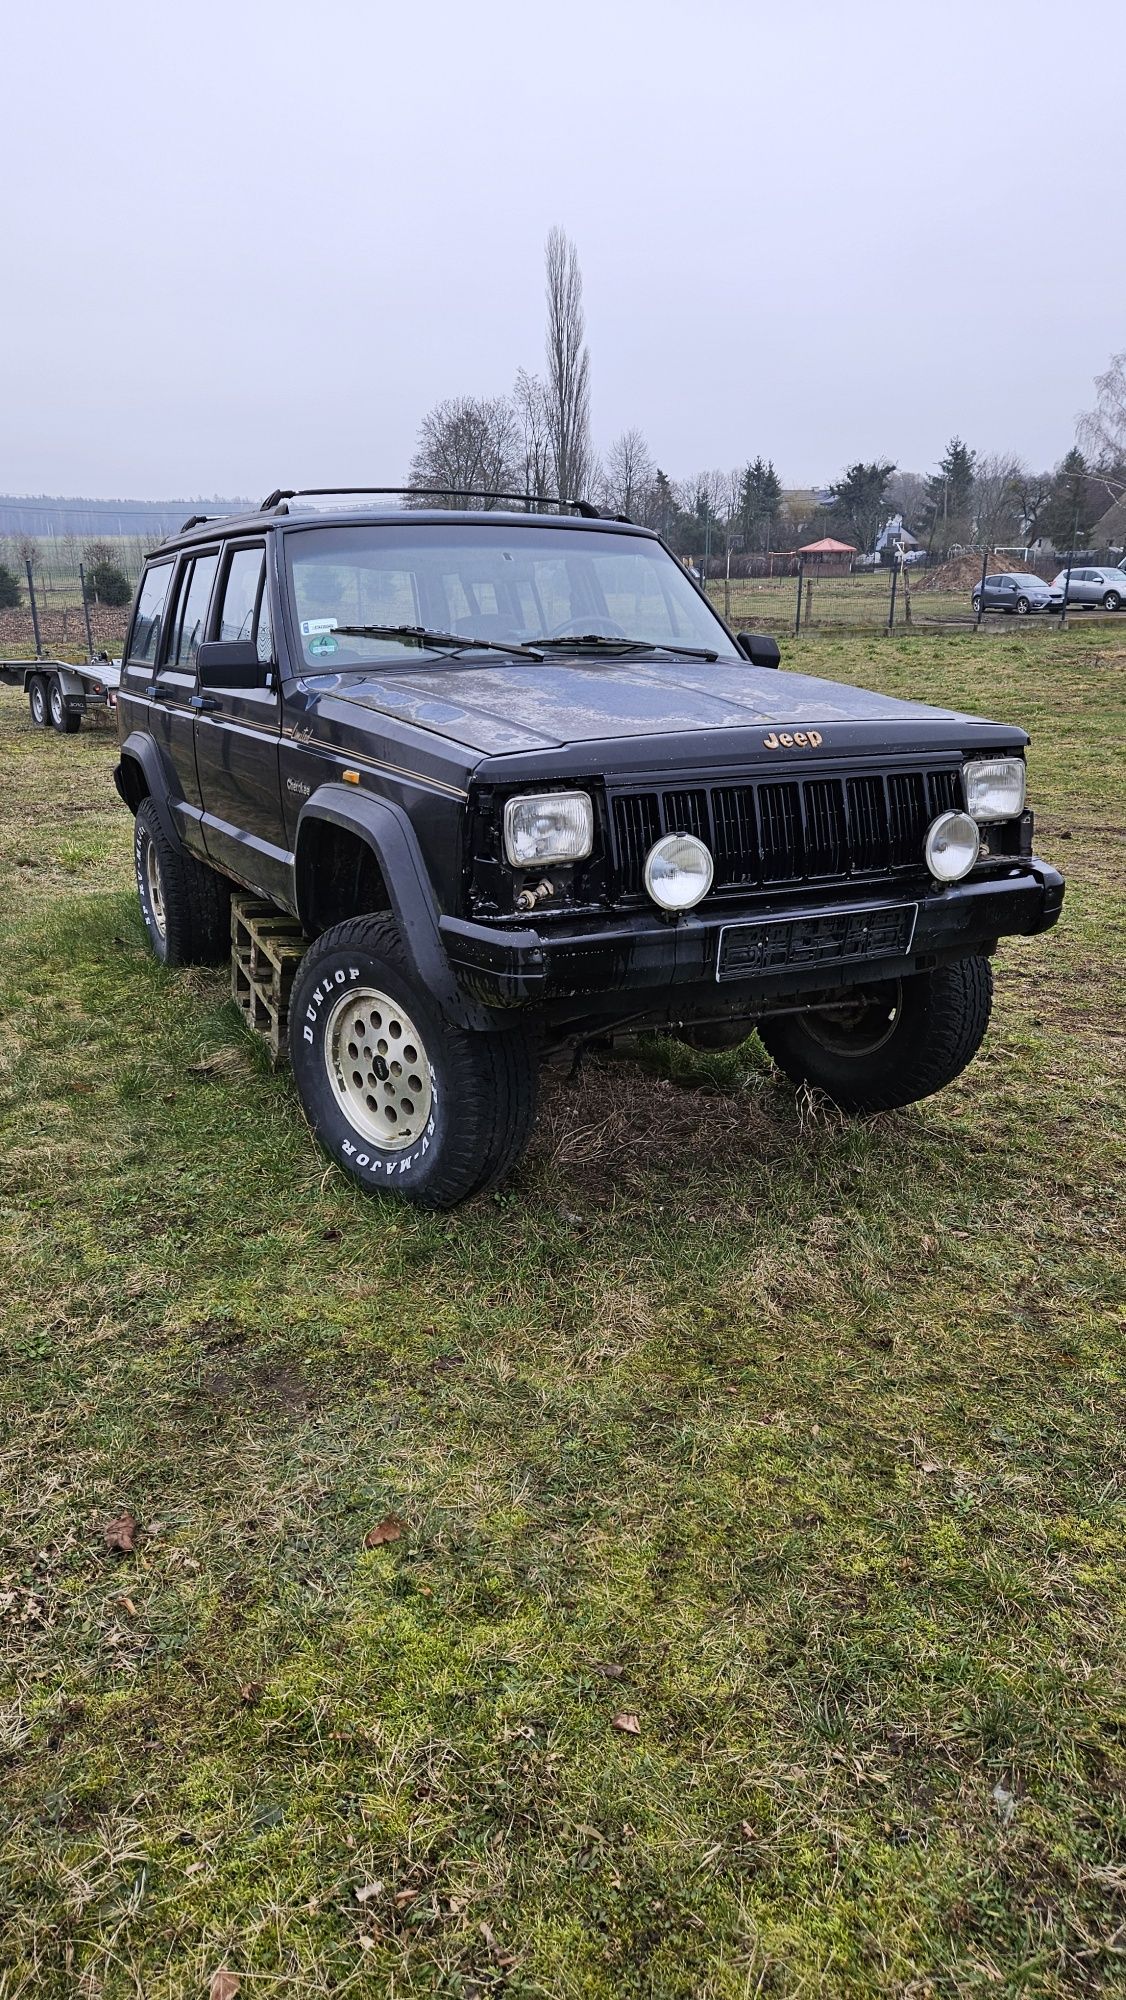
{"x": 905, "y": 1041}
{"x": 37, "y": 701}
{"x": 61, "y": 717}
{"x": 396, "y": 1094}
{"x": 1023, "y": 607}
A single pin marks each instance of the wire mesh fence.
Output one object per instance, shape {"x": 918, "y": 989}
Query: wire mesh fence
{"x": 71, "y": 599}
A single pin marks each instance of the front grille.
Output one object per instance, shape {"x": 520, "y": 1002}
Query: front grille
{"x": 789, "y": 830}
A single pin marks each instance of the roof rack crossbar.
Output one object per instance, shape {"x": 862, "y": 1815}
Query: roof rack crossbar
{"x": 529, "y": 501}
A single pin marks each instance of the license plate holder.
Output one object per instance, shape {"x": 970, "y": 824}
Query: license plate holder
{"x": 764, "y": 945}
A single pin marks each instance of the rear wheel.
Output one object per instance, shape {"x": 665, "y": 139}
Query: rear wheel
{"x": 37, "y": 702}
{"x": 1111, "y": 601}
{"x": 907, "y": 1040}
{"x": 61, "y": 717}
{"x": 977, "y": 602}
{"x": 396, "y": 1094}
{"x": 185, "y": 906}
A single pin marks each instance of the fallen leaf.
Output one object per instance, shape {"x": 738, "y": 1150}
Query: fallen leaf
{"x": 609, "y": 1668}
{"x": 224, "y": 1984}
{"x": 367, "y": 1891}
{"x": 120, "y": 1533}
{"x": 128, "y": 1605}
{"x": 404, "y": 1897}
{"x": 387, "y": 1530}
{"x": 251, "y": 1692}
{"x": 747, "y": 1830}
{"x": 627, "y": 1722}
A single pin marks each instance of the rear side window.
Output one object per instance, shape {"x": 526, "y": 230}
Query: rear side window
{"x": 144, "y": 642}
{"x": 195, "y": 596}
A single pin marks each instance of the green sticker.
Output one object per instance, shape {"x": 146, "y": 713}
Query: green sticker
{"x": 320, "y": 647}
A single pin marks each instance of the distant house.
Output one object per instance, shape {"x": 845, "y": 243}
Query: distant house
{"x": 894, "y": 536}
{"x": 1109, "y": 531}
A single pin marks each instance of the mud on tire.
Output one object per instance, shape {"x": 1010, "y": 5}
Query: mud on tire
{"x": 185, "y": 905}
{"x": 403, "y": 1100}
{"x": 917, "y": 1036}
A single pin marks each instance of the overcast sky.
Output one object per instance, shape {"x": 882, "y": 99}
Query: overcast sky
{"x": 249, "y": 244}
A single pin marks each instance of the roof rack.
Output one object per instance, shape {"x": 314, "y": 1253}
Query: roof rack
{"x": 275, "y": 503}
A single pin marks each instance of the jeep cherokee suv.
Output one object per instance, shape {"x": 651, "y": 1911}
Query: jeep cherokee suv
{"x": 519, "y": 783}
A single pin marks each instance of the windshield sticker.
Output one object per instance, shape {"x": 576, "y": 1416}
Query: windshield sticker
{"x": 310, "y": 626}
{"x": 320, "y": 648}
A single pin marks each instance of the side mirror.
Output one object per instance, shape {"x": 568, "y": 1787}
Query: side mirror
{"x": 230, "y": 663}
{"x": 758, "y": 647}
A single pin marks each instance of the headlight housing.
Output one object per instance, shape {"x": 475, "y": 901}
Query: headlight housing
{"x": 678, "y": 871}
{"x": 952, "y": 846}
{"x": 541, "y": 827}
{"x": 994, "y": 787}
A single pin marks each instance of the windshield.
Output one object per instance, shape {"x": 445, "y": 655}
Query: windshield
{"x": 504, "y": 583}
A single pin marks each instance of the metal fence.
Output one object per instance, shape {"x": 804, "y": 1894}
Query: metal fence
{"x": 61, "y": 613}
{"x": 815, "y": 597}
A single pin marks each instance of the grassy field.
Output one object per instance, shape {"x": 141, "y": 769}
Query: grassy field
{"x": 800, "y": 1443}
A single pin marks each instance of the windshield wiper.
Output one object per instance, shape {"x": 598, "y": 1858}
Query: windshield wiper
{"x": 582, "y": 641}
{"x": 418, "y": 635}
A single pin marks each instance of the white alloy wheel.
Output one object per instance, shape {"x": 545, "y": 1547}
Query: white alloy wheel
{"x": 155, "y": 886}
{"x": 377, "y": 1068}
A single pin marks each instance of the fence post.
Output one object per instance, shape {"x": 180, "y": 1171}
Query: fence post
{"x": 801, "y": 578}
{"x": 86, "y": 609}
{"x": 981, "y": 592}
{"x": 34, "y": 610}
{"x": 891, "y": 600}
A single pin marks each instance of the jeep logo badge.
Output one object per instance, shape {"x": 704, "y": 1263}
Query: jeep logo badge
{"x": 802, "y": 739}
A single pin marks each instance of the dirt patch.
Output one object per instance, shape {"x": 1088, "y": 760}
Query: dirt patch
{"x": 964, "y": 572}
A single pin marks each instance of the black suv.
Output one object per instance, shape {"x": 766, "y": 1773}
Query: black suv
{"x": 519, "y": 783}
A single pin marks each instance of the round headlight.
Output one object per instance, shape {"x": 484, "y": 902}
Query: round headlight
{"x": 952, "y": 845}
{"x": 678, "y": 871}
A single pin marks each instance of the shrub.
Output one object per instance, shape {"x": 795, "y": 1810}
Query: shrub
{"x": 9, "y": 588}
{"x": 107, "y": 584}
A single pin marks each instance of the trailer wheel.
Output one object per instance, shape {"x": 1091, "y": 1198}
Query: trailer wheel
{"x": 37, "y": 701}
{"x": 61, "y": 717}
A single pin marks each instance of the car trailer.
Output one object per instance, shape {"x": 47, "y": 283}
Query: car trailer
{"x": 60, "y": 693}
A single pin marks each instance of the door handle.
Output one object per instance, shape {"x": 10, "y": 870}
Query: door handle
{"x": 203, "y": 703}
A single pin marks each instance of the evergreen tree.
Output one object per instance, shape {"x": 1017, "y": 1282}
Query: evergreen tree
{"x": 9, "y": 588}
{"x": 1067, "y": 519}
{"x": 861, "y": 497}
{"x": 950, "y": 490}
{"x": 760, "y": 503}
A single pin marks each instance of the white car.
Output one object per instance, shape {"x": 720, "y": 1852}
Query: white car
{"x": 1094, "y": 586}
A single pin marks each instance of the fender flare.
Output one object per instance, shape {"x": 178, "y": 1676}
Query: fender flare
{"x": 158, "y": 776}
{"x": 387, "y": 830}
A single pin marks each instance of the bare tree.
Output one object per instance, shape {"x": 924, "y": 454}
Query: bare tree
{"x": 996, "y": 497}
{"x": 627, "y": 476}
{"x": 907, "y": 495}
{"x": 470, "y": 444}
{"x": 1102, "y": 431}
{"x": 1033, "y": 492}
{"x": 568, "y": 369}
{"x": 29, "y": 551}
{"x": 533, "y": 416}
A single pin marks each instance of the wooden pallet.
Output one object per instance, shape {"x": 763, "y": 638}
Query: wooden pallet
{"x": 266, "y": 949}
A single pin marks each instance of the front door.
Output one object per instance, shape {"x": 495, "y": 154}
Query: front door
{"x": 237, "y": 738}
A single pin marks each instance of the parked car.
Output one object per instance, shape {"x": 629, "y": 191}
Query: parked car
{"x": 519, "y": 785}
{"x": 1019, "y": 592}
{"x": 1093, "y": 586}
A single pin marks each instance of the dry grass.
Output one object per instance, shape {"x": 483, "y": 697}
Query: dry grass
{"x": 799, "y": 1440}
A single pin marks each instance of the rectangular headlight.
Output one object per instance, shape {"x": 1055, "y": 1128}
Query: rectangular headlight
{"x": 994, "y": 787}
{"x": 548, "y": 826}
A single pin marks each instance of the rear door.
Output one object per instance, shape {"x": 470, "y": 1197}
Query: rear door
{"x": 238, "y": 735}
{"x": 174, "y": 686}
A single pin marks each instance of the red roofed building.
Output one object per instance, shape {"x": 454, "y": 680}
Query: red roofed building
{"x": 828, "y": 553}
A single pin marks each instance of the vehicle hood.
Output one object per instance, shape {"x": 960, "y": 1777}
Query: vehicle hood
{"x": 523, "y": 706}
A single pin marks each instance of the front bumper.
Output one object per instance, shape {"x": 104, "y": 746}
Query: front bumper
{"x": 641, "y": 963}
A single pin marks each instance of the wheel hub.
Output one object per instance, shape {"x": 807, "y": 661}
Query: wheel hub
{"x": 154, "y": 886}
{"x": 377, "y": 1067}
